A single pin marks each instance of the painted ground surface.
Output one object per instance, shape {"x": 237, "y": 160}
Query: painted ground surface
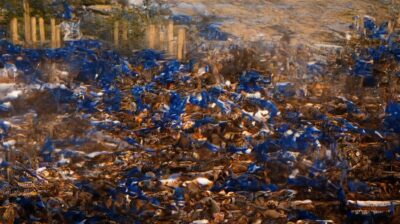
{"x": 273, "y": 131}
{"x": 300, "y": 21}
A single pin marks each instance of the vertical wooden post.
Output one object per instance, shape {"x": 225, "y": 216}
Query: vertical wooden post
{"x": 27, "y": 21}
{"x": 170, "y": 39}
{"x": 58, "y": 36}
{"x": 14, "y": 30}
{"x": 125, "y": 29}
{"x": 42, "y": 32}
{"x": 116, "y": 33}
{"x": 53, "y": 33}
{"x": 181, "y": 43}
{"x": 33, "y": 30}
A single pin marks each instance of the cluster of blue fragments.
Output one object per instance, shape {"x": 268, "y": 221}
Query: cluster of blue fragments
{"x": 108, "y": 145}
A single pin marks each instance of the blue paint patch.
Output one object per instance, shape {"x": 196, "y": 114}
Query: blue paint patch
{"x": 213, "y": 32}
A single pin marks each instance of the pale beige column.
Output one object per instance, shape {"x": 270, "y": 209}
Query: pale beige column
{"x": 162, "y": 39}
{"x": 27, "y": 22}
{"x": 116, "y": 33}
{"x": 181, "y": 43}
{"x": 361, "y": 24}
{"x": 58, "y": 36}
{"x": 14, "y": 30}
{"x": 390, "y": 27}
{"x": 170, "y": 38}
{"x": 151, "y": 36}
{"x": 33, "y": 30}
{"x": 42, "y": 32}
{"x": 125, "y": 30}
{"x": 53, "y": 33}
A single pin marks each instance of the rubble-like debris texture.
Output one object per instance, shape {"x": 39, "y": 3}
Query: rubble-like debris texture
{"x": 92, "y": 136}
